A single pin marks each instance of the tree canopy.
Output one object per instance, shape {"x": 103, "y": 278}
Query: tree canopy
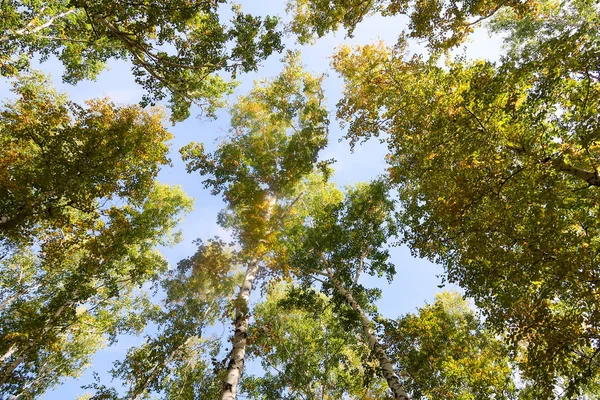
{"x": 59, "y": 157}
{"x": 73, "y": 256}
{"x": 491, "y": 172}
{"x": 179, "y": 361}
{"x": 441, "y": 24}
{"x": 496, "y": 170}
{"x": 445, "y": 352}
{"x": 307, "y": 352}
{"x": 175, "y": 48}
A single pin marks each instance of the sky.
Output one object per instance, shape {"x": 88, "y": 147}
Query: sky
{"x": 416, "y": 280}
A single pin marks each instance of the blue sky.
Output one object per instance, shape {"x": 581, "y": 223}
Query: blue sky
{"x": 416, "y": 280}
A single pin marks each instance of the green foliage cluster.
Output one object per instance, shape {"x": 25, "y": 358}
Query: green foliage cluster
{"x": 277, "y": 131}
{"x": 441, "y": 24}
{"x": 175, "y": 47}
{"x": 445, "y": 352}
{"x": 307, "y": 351}
{"x": 60, "y": 158}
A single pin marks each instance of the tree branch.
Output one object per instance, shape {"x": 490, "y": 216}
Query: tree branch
{"x": 591, "y": 178}
{"x": 28, "y": 30}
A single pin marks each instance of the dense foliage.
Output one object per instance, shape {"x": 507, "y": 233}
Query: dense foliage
{"x": 59, "y": 157}
{"x": 496, "y": 165}
{"x": 177, "y": 361}
{"x": 81, "y": 217}
{"x": 445, "y": 352}
{"x": 175, "y": 47}
{"x": 307, "y": 351}
{"x": 441, "y": 24}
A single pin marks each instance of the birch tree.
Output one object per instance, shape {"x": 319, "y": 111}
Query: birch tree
{"x": 496, "y": 166}
{"x": 69, "y": 280}
{"x": 333, "y": 241}
{"x": 307, "y": 351}
{"x": 277, "y": 132}
{"x": 179, "y": 360}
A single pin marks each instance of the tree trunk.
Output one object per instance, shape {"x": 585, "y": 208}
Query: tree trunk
{"x": 13, "y": 349}
{"x": 236, "y": 356}
{"x": 240, "y": 334}
{"x": 7, "y": 302}
{"x": 384, "y": 362}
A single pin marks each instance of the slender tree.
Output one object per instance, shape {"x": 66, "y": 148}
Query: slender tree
{"x": 307, "y": 351}
{"x": 334, "y": 240}
{"x": 277, "y": 132}
{"x": 178, "y": 361}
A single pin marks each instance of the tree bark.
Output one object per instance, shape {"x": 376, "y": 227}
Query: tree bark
{"x": 238, "y": 352}
{"x": 13, "y": 349}
{"x": 591, "y": 178}
{"x": 9, "y": 353}
{"x": 384, "y": 362}
{"x": 11, "y": 368}
{"x": 7, "y": 302}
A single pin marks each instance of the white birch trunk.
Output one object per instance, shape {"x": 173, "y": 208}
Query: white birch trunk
{"x": 7, "y": 302}
{"x": 238, "y": 352}
{"x": 591, "y": 178}
{"x": 384, "y": 362}
{"x": 9, "y": 353}
{"x": 13, "y": 349}
{"x": 11, "y": 368}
